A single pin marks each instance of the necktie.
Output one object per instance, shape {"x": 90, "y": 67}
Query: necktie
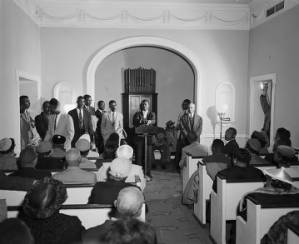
{"x": 113, "y": 118}
{"x": 55, "y": 122}
{"x": 80, "y": 119}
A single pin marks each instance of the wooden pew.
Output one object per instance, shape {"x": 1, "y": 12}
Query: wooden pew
{"x": 293, "y": 235}
{"x": 224, "y": 205}
{"x": 204, "y": 191}
{"x": 261, "y": 215}
{"x": 90, "y": 214}
{"x": 77, "y": 194}
{"x": 189, "y": 169}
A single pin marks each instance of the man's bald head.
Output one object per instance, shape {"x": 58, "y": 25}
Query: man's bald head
{"x": 129, "y": 201}
{"x": 73, "y": 157}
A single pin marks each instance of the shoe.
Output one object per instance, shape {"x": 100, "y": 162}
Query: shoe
{"x": 148, "y": 178}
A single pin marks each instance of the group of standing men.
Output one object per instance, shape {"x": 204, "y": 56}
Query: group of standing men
{"x": 84, "y": 119}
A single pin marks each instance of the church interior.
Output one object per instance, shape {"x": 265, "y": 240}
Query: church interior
{"x": 155, "y": 122}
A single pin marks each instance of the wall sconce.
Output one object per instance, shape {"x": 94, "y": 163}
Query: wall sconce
{"x": 222, "y": 118}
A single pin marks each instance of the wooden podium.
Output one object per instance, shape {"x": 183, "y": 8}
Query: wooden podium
{"x": 146, "y": 131}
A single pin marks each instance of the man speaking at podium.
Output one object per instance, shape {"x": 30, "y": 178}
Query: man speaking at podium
{"x": 144, "y": 118}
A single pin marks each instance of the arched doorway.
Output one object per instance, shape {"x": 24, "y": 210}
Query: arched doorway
{"x": 143, "y": 41}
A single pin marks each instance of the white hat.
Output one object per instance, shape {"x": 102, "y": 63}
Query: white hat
{"x": 120, "y": 167}
{"x": 279, "y": 174}
{"x": 125, "y": 151}
{"x": 83, "y": 144}
{"x": 5, "y": 144}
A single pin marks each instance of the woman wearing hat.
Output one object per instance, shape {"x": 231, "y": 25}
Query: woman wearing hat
{"x": 40, "y": 211}
{"x": 7, "y": 154}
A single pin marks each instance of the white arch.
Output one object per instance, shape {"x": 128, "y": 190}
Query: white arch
{"x": 143, "y": 41}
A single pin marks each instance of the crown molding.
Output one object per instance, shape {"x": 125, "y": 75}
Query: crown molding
{"x": 258, "y": 10}
{"x": 136, "y": 15}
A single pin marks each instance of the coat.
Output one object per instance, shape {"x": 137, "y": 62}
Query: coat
{"x": 64, "y": 127}
{"x": 187, "y": 127}
{"x": 75, "y": 175}
{"x": 87, "y": 124}
{"x": 108, "y": 126}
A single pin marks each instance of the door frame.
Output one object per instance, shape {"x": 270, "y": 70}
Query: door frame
{"x": 253, "y": 80}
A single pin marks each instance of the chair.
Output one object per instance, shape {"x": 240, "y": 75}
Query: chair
{"x": 224, "y": 204}
{"x": 262, "y": 212}
{"x": 90, "y": 214}
{"x": 204, "y": 190}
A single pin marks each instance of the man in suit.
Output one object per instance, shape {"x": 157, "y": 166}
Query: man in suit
{"x": 82, "y": 121}
{"x": 135, "y": 175}
{"x": 92, "y": 112}
{"x": 59, "y": 124}
{"x": 144, "y": 117}
{"x": 73, "y": 174}
{"x": 27, "y": 162}
{"x": 231, "y": 147}
{"x": 128, "y": 204}
{"x": 105, "y": 192}
{"x": 87, "y": 104}
{"x": 98, "y": 134}
{"x": 191, "y": 122}
{"x": 112, "y": 122}
{"x": 42, "y": 120}
{"x": 241, "y": 170}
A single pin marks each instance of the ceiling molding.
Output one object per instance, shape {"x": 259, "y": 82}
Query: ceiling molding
{"x": 258, "y": 10}
{"x": 136, "y": 15}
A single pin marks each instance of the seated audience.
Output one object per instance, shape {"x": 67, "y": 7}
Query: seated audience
{"x": 135, "y": 175}
{"x": 231, "y": 147}
{"x": 194, "y": 148}
{"x": 128, "y": 204}
{"x": 106, "y": 192}
{"x": 73, "y": 174}
{"x": 285, "y": 156}
{"x": 263, "y": 139}
{"x": 15, "y": 231}
{"x": 58, "y": 150}
{"x": 278, "y": 233}
{"x": 111, "y": 146}
{"x": 45, "y": 161}
{"x": 125, "y": 231}
{"x": 27, "y": 162}
{"x": 214, "y": 163}
{"x": 282, "y": 137}
{"x": 7, "y": 155}
{"x": 218, "y": 160}
{"x": 40, "y": 211}
{"x": 254, "y": 147}
{"x": 83, "y": 145}
{"x": 241, "y": 170}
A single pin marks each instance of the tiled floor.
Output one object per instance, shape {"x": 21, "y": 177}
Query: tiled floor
{"x": 175, "y": 223}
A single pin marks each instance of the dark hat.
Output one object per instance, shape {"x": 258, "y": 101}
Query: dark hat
{"x": 254, "y": 145}
{"x": 286, "y": 151}
{"x": 58, "y": 139}
{"x": 170, "y": 123}
{"x": 5, "y": 144}
{"x": 44, "y": 147}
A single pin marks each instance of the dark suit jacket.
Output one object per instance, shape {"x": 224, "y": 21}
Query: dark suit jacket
{"x": 231, "y": 149}
{"x": 194, "y": 126}
{"x": 50, "y": 163}
{"x": 41, "y": 124}
{"x": 87, "y": 124}
{"x": 106, "y": 192}
{"x": 240, "y": 174}
{"x": 32, "y": 173}
{"x": 139, "y": 120}
{"x": 94, "y": 234}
